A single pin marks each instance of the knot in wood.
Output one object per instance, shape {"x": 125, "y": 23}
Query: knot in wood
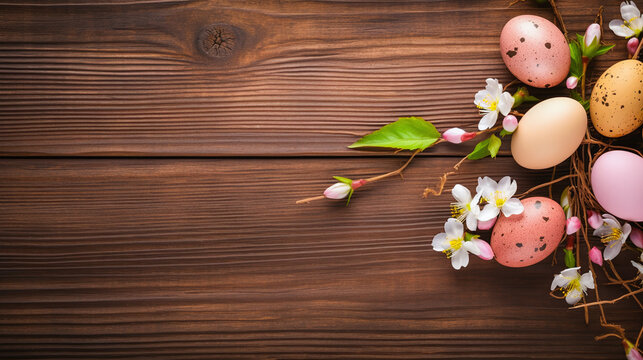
{"x": 217, "y": 40}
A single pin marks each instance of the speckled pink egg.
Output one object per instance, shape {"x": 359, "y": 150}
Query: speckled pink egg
{"x": 535, "y": 51}
{"x": 525, "y": 239}
{"x": 617, "y": 183}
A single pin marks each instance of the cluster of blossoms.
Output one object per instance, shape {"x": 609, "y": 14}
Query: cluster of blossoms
{"x": 496, "y": 198}
{"x": 570, "y": 282}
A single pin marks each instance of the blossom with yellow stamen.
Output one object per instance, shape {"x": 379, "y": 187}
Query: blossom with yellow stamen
{"x": 632, "y": 23}
{"x": 452, "y": 242}
{"x": 498, "y": 197}
{"x": 613, "y": 235}
{"x": 492, "y": 101}
{"x": 572, "y": 284}
{"x": 465, "y": 208}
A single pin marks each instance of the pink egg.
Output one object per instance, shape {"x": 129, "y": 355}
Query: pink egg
{"x": 617, "y": 183}
{"x": 525, "y": 239}
{"x": 535, "y": 51}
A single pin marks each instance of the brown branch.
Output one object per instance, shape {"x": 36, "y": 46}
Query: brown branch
{"x": 395, "y": 172}
{"x": 307, "y": 200}
{"x": 443, "y": 179}
{"x": 559, "y": 18}
{"x": 624, "y": 284}
{"x": 632, "y": 293}
{"x": 635, "y": 56}
{"x": 546, "y": 184}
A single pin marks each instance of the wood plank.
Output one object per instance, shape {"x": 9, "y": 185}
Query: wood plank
{"x": 203, "y": 259}
{"x": 300, "y": 78}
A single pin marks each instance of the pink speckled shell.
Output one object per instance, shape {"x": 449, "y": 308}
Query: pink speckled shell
{"x": 535, "y": 51}
{"x": 525, "y": 239}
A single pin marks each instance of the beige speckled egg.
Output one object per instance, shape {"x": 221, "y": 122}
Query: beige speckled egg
{"x": 549, "y": 133}
{"x": 535, "y": 51}
{"x": 525, "y": 239}
{"x": 616, "y": 104}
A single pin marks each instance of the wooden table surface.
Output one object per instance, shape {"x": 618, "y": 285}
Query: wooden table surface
{"x": 152, "y": 150}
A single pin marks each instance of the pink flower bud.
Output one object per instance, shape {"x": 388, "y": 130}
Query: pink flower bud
{"x": 596, "y": 256}
{"x": 572, "y": 82}
{"x": 593, "y": 32}
{"x": 457, "y": 135}
{"x": 486, "y": 253}
{"x": 337, "y": 191}
{"x": 486, "y": 225}
{"x": 510, "y": 123}
{"x": 637, "y": 237}
{"x": 594, "y": 219}
{"x": 630, "y": 351}
{"x": 573, "y": 225}
{"x": 632, "y": 45}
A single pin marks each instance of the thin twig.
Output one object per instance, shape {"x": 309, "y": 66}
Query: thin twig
{"x": 558, "y": 17}
{"x": 546, "y": 184}
{"x": 609, "y": 301}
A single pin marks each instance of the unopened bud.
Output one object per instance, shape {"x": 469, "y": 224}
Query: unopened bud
{"x": 486, "y": 225}
{"x": 486, "y": 253}
{"x": 573, "y": 225}
{"x": 632, "y": 45}
{"x": 457, "y": 135}
{"x": 630, "y": 351}
{"x": 637, "y": 237}
{"x": 592, "y": 33}
{"x": 572, "y": 82}
{"x": 596, "y": 256}
{"x": 510, "y": 123}
{"x": 337, "y": 191}
{"x": 594, "y": 219}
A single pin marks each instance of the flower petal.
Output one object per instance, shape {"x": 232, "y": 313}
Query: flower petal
{"x": 570, "y": 272}
{"x": 460, "y": 259}
{"x": 503, "y": 184}
{"x": 626, "y": 229}
{"x": 488, "y": 121}
{"x": 559, "y": 281}
{"x": 461, "y": 194}
{"x": 637, "y": 24}
{"x": 512, "y": 206}
{"x": 453, "y": 228}
{"x": 489, "y": 212}
{"x": 587, "y": 280}
{"x": 612, "y": 249}
{"x": 493, "y": 87}
{"x": 440, "y": 242}
{"x": 472, "y": 221}
{"x": 472, "y": 247}
{"x": 481, "y": 95}
{"x": 486, "y": 186}
{"x": 619, "y": 29}
{"x": 505, "y": 103}
{"x": 629, "y": 10}
{"x": 638, "y": 266}
{"x": 573, "y": 297}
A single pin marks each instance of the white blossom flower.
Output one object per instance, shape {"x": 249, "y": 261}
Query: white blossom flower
{"x": 465, "y": 208}
{"x": 572, "y": 284}
{"x": 490, "y": 101}
{"x": 337, "y": 191}
{"x": 639, "y": 266}
{"x": 452, "y": 243}
{"x": 498, "y": 197}
{"x": 613, "y": 235}
{"x": 632, "y": 22}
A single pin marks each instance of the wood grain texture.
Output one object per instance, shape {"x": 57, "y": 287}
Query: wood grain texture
{"x": 302, "y": 78}
{"x": 203, "y": 259}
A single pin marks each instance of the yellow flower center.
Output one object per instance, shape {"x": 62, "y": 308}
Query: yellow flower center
{"x": 573, "y": 285}
{"x": 500, "y": 199}
{"x": 459, "y": 212}
{"x": 614, "y": 235}
{"x": 454, "y": 245}
{"x": 488, "y": 104}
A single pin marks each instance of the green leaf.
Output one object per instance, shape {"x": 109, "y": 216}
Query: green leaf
{"x": 480, "y": 151}
{"x": 576, "y": 65}
{"x": 577, "y": 96}
{"x": 530, "y": 98}
{"x": 494, "y": 145}
{"x": 408, "y": 133}
{"x": 343, "y": 179}
{"x": 504, "y": 133}
{"x": 603, "y": 49}
{"x": 469, "y": 237}
{"x": 570, "y": 259}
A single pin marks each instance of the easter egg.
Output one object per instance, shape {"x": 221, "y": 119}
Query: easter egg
{"x": 616, "y": 104}
{"x": 535, "y": 51}
{"x": 525, "y": 239}
{"x": 617, "y": 183}
{"x": 549, "y": 133}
